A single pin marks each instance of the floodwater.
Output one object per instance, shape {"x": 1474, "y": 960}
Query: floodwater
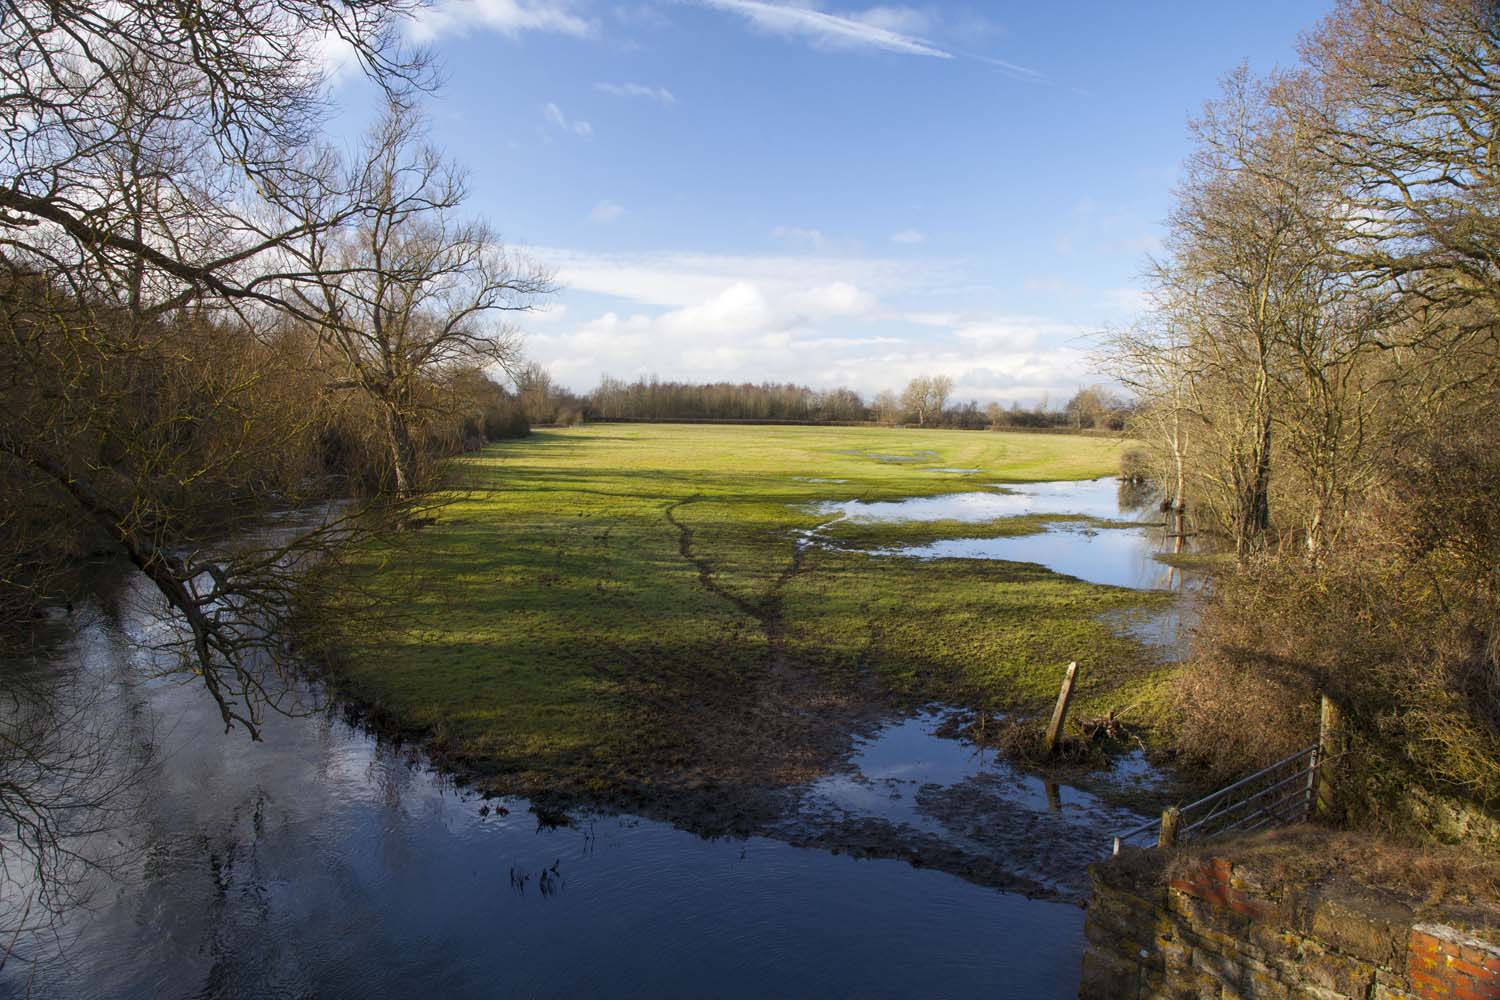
{"x": 1121, "y": 552}
{"x": 1099, "y": 498}
{"x": 322, "y": 862}
{"x": 1117, "y": 557}
{"x": 975, "y": 805}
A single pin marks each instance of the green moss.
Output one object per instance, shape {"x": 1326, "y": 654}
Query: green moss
{"x": 588, "y": 591}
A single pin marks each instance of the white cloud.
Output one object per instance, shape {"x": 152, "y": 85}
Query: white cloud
{"x": 910, "y": 237}
{"x": 902, "y": 20}
{"x": 840, "y": 298}
{"x": 818, "y": 320}
{"x": 661, "y": 94}
{"x": 606, "y": 211}
{"x": 506, "y": 17}
{"x": 556, "y": 117}
{"x": 824, "y": 29}
{"x": 797, "y": 234}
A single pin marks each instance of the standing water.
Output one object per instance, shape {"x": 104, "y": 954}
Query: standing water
{"x": 324, "y": 862}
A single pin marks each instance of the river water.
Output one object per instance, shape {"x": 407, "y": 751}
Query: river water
{"x": 324, "y": 862}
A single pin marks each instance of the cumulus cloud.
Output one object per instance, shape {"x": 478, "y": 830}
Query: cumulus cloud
{"x": 823, "y": 321}
{"x": 506, "y": 17}
{"x": 556, "y": 117}
{"x": 661, "y": 94}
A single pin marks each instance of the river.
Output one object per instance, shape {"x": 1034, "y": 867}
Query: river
{"x": 325, "y": 862}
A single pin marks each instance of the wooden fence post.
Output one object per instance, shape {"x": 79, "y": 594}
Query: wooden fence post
{"x": 1330, "y": 746}
{"x": 1054, "y": 731}
{"x": 1170, "y": 818}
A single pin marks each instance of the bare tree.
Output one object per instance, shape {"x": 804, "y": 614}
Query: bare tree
{"x": 1249, "y": 281}
{"x": 925, "y": 397}
{"x": 399, "y": 287}
{"x": 141, "y": 408}
{"x": 939, "y": 389}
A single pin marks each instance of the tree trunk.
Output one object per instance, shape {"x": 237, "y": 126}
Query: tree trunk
{"x": 403, "y": 454}
{"x": 1252, "y": 488}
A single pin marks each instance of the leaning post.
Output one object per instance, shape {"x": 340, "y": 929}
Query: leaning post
{"x": 1060, "y": 713}
{"x": 1170, "y": 818}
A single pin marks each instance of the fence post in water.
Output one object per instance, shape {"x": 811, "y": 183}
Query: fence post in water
{"x": 1170, "y": 817}
{"x": 1330, "y": 739}
{"x": 1054, "y": 731}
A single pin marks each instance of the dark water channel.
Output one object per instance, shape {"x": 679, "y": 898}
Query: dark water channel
{"x": 322, "y": 862}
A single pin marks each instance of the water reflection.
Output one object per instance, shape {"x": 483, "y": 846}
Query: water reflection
{"x": 1101, "y": 498}
{"x": 323, "y": 863}
{"x": 1119, "y": 555}
{"x": 1116, "y": 557}
{"x": 973, "y": 801}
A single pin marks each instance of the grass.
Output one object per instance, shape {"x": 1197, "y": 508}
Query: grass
{"x": 614, "y": 606}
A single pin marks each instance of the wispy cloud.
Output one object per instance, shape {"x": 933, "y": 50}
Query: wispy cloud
{"x": 556, "y": 117}
{"x": 606, "y": 211}
{"x": 661, "y": 94}
{"x": 911, "y": 237}
{"x": 889, "y": 28}
{"x": 507, "y": 17}
{"x": 823, "y": 28}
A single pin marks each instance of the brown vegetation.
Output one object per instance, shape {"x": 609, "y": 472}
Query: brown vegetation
{"x": 1319, "y": 379}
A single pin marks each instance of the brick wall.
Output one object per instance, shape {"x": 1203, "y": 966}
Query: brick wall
{"x": 1212, "y": 928}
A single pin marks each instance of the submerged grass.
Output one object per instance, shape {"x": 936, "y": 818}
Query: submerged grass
{"x": 613, "y": 606}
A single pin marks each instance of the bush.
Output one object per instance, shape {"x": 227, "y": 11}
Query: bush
{"x": 1399, "y": 623}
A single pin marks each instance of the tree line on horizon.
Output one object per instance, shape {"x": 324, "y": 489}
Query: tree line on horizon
{"x": 926, "y": 401}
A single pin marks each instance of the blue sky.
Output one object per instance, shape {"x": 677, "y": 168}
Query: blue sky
{"x": 828, "y": 193}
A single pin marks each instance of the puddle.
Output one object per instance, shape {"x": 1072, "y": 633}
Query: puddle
{"x": 815, "y": 479}
{"x": 958, "y": 472}
{"x": 1169, "y": 631}
{"x": 1115, "y": 557}
{"x": 918, "y": 786}
{"x": 1101, "y": 498}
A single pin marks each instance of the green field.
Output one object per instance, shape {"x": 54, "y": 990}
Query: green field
{"x": 621, "y": 607}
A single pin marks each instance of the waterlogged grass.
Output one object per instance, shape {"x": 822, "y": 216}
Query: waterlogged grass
{"x": 616, "y": 605}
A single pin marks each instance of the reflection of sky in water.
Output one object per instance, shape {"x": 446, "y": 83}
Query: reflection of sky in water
{"x": 322, "y": 863}
{"x": 1098, "y": 498}
{"x": 890, "y": 768}
{"x": 1118, "y": 557}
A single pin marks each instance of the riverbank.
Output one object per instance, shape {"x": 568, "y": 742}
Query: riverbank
{"x": 631, "y": 612}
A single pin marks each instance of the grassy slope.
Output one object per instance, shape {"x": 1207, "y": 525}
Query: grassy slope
{"x": 563, "y": 639}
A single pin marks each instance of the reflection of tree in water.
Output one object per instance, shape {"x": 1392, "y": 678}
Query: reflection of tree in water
{"x": 74, "y": 746}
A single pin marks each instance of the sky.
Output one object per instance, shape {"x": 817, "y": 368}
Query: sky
{"x": 828, "y": 193}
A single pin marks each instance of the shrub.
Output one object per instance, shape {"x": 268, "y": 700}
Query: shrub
{"x": 1399, "y": 623}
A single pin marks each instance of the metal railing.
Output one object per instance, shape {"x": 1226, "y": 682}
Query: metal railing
{"x": 1283, "y": 793}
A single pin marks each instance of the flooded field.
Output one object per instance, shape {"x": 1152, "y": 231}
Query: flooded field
{"x": 324, "y": 861}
